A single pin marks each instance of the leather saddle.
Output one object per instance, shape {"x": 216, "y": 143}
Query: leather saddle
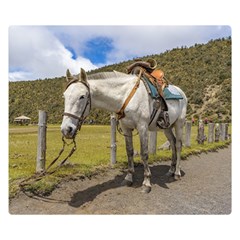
{"x": 154, "y": 77}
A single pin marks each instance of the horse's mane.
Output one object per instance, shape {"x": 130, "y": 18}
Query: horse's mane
{"x": 107, "y": 75}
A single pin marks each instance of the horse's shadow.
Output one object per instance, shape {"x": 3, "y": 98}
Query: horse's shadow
{"x": 158, "y": 177}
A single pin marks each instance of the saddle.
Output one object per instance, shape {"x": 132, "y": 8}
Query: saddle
{"x": 148, "y": 65}
{"x": 149, "y": 73}
{"x": 155, "y": 83}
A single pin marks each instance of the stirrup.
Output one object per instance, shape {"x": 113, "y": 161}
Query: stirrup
{"x": 163, "y": 120}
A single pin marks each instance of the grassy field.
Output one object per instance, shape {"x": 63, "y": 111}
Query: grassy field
{"x": 92, "y": 154}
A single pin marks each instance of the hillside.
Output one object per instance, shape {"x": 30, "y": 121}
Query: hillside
{"x": 203, "y": 71}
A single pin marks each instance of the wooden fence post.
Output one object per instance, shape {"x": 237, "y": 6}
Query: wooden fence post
{"x": 188, "y": 127}
{"x": 152, "y": 147}
{"x": 201, "y": 136}
{"x": 222, "y": 131}
{"x": 210, "y": 132}
{"x": 226, "y": 133}
{"x": 217, "y": 132}
{"x": 113, "y": 139}
{"x": 41, "y": 149}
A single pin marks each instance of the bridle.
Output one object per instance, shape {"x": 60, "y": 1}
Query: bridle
{"x": 80, "y": 118}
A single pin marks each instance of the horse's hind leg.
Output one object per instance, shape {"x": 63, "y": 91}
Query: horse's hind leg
{"x": 172, "y": 140}
{"x": 179, "y": 132}
{"x": 129, "y": 149}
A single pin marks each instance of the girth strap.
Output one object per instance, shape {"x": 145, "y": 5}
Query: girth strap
{"x": 121, "y": 113}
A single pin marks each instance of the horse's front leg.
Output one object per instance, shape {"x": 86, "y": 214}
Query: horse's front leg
{"x": 129, "y": 149}
{"x": 143, "y": 134}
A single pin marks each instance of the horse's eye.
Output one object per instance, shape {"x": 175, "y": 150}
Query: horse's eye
{"x": 81, "y": 97}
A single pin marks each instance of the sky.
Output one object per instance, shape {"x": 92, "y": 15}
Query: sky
{"x": 38, "y": 52}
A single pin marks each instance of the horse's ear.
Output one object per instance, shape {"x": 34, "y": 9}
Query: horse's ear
{"x": 68, "y": 75}
{"x": 82, "y": 75}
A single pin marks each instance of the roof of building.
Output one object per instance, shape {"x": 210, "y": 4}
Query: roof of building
{"x": 21, "y": 118}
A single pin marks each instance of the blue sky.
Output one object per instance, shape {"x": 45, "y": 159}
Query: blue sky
{"x": 98, "y": 48}
{"x": 47, "y": 51}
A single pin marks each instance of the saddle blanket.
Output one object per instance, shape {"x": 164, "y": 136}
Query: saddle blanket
{"x": 152, "y": 90}
{"x": 171, "y": 93}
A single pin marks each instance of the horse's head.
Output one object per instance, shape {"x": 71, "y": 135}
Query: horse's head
{"x": 77, "y": 103}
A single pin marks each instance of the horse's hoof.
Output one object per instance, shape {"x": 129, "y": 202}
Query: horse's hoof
{"x": 146, "y": 189}
{"x": 177, "y": 177}
{"x": 127, "y": 183}
{"x": 169, "y": 174}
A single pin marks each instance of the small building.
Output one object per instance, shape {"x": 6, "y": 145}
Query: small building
{"x": 22, "y": 120}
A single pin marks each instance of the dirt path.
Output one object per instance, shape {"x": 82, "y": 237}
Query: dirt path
{"x": 205, "y": 188}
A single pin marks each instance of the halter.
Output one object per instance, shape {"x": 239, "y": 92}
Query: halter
{"x": 88, "y": 102}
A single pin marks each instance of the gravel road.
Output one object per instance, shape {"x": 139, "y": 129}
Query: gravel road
{"x": 205, "y": 188}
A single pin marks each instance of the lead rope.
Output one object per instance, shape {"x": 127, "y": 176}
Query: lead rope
{"x": 38, "y": 176}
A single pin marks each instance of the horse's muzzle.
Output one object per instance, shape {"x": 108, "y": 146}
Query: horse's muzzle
{"x": 68, "y": 131}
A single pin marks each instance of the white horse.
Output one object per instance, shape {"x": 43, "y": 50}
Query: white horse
{"x": 109, "y": 91}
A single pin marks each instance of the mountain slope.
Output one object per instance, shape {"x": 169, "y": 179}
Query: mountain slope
{"x": 203, "y": 71}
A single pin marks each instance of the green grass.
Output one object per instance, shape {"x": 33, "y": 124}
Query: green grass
{"x": 91, "y": 156}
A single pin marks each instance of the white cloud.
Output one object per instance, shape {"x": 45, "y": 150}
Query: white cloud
{"x": 34, "y": 52}
{"x": 146, "y": 40}
{"x": 131, "y": 41}
{"x": 19, "y": 75}
{"x": 39, "y": 52}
